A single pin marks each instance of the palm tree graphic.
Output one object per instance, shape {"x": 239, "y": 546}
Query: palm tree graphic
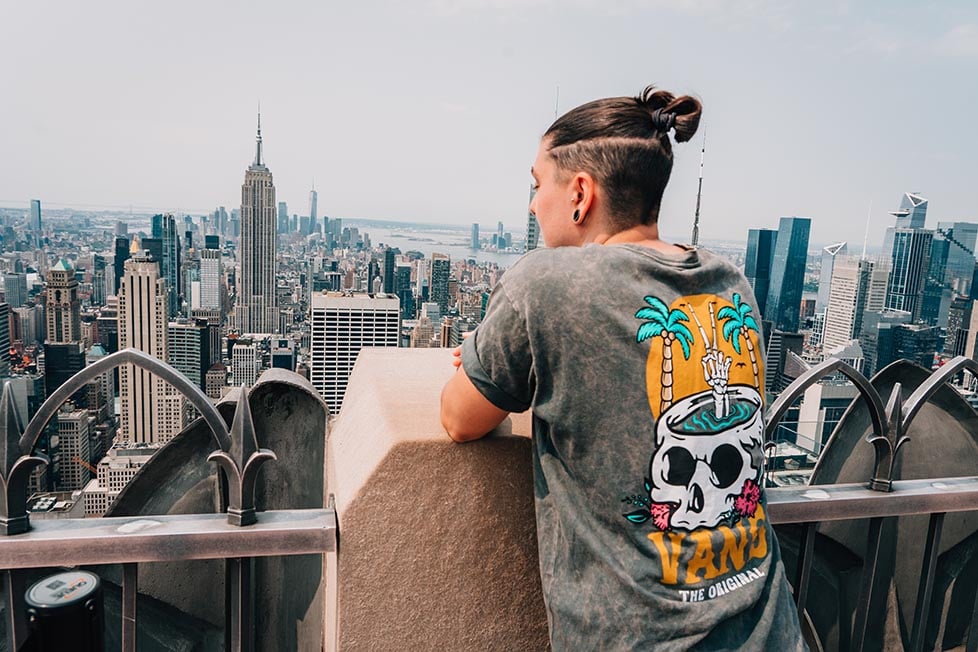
{"x": 667, "y": 324}
{"x": 737, "y": 323}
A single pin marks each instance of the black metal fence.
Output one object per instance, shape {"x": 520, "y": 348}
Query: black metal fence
{"x": 237, "y": 536}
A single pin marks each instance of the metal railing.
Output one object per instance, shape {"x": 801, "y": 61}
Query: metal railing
{"x": 242, "y": 534}
{"x": 237, "y": 536}
{"x": 881, "y": 498}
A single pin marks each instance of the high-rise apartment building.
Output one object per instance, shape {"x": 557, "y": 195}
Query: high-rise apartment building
{"x": 858, "y": 286}
{"x": 257, "y": 307}
{"x": 151, "y": 410}
{"x": 62, "y": 305}
{"x": 342, "y": 324}
{"x": 757, "y": 264}
{"x": 783, "y": 304}
{"x": 441, "y": 268}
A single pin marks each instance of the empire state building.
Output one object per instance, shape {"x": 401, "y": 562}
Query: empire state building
{"x": 257, "y": 306}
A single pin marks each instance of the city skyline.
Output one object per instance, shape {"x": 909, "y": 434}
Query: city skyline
{"x": 799, "y": 104}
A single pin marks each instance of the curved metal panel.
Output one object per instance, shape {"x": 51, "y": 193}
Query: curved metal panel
{"x": 875, "y": 403}
{"x": 144, "y": 361}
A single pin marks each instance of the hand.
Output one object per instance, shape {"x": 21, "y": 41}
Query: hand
{"x": 457, "y": 353}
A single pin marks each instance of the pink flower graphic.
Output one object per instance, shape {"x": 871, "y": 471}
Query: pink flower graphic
{"x": 746, "y": 503}
{"x": 661, "y": 514}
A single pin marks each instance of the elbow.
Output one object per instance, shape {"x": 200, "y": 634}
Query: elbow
{"x": 453, "y": 427}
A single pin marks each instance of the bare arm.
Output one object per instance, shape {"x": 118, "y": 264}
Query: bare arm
{"x": 465, "y": 413}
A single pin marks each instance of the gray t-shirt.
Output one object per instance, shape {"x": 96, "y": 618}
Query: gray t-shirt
{"x": 644, "y": 372}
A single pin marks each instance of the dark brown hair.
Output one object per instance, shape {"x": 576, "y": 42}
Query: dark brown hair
{"x": 623, "y": 142}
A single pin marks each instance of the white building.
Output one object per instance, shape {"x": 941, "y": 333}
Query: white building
{"x": 342, "y": 324}
{"x": 114, "y": 472}
{"x": 858, "y": 286}
{"x": 246, "y": 362}
{"x": 151, "y": 410}
{"x": 205, "y": 293}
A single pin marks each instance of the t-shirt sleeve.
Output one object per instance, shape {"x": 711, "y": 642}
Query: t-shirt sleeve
{"x": 497, "y": 357}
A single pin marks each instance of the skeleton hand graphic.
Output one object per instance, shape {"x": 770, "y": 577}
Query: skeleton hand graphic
{"x": 716, "y": 371}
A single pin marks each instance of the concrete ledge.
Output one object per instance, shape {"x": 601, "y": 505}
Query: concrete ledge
{"x": 437, "y": 546}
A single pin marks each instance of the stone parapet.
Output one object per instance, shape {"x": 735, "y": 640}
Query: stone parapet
{"x": 437, "y": 547}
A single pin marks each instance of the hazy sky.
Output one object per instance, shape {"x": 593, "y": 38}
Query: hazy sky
{"x": 431, "y": 110}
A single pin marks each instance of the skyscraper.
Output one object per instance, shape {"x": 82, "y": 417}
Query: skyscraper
{"x": 283, "y": 217}
{"x": 313, "y": 200}
{"x": 62, "y": 305}
{"x": 15, "y": 288}
{"x": 119, "y": 260}
{"x": 912, "y": 213}
{"x": 341, "y": 326}
{"x": 910, "y": 260}
{"x": 532, "y": 227}
{"x": 402, "y": 288}
{"x": 441, "y": 267}
{"x": 151, "y": 410}
{"x": 257, "y": 307}
{"x": 205, "y": 292}
{"x": 788, "y": 273}
{"x": 165, "y": 230}
{"x": 757, "y": 264}
{"x": 389, "y": 262}
{"x": 100, "y": 287}
{"x": 475, "y": 235}
{"x": 858, "y": 286}
{"x": 36, "y": 216}
{"x": 188, "y": 349}
{"x": 830, "y": 255}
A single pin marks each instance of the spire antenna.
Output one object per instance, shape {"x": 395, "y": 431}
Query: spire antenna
{"x": 699, "y": 194}
{"x": 869, "y": 217}
{"x": 258, "y": 162}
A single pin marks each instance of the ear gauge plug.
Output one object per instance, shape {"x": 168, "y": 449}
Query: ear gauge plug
{"x": 577, "y": 215}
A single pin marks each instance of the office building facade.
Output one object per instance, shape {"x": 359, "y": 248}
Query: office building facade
{"x": 342, "y": 324}
{"x": 783, "y": 304}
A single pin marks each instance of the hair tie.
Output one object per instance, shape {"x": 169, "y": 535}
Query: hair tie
{"x": 663, "y": 121}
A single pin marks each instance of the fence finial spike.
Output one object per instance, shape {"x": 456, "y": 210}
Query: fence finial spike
{"x": 241, "y": 464}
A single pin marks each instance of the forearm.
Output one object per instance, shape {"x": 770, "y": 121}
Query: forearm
{"x": 465, "y": 413}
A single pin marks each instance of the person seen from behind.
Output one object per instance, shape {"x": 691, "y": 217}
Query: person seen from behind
{"x": 642, "y": 363}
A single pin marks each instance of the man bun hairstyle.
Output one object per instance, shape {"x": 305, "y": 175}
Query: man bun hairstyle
{"x": 623, "y": 142}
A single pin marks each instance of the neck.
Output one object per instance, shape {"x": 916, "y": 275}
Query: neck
{"x": 642, "y": 234}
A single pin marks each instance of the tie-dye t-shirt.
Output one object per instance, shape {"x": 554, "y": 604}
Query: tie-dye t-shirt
{"x": 645, "y": 375}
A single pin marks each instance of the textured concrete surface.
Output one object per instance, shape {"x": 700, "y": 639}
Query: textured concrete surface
{"x": 437, "y": 539}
